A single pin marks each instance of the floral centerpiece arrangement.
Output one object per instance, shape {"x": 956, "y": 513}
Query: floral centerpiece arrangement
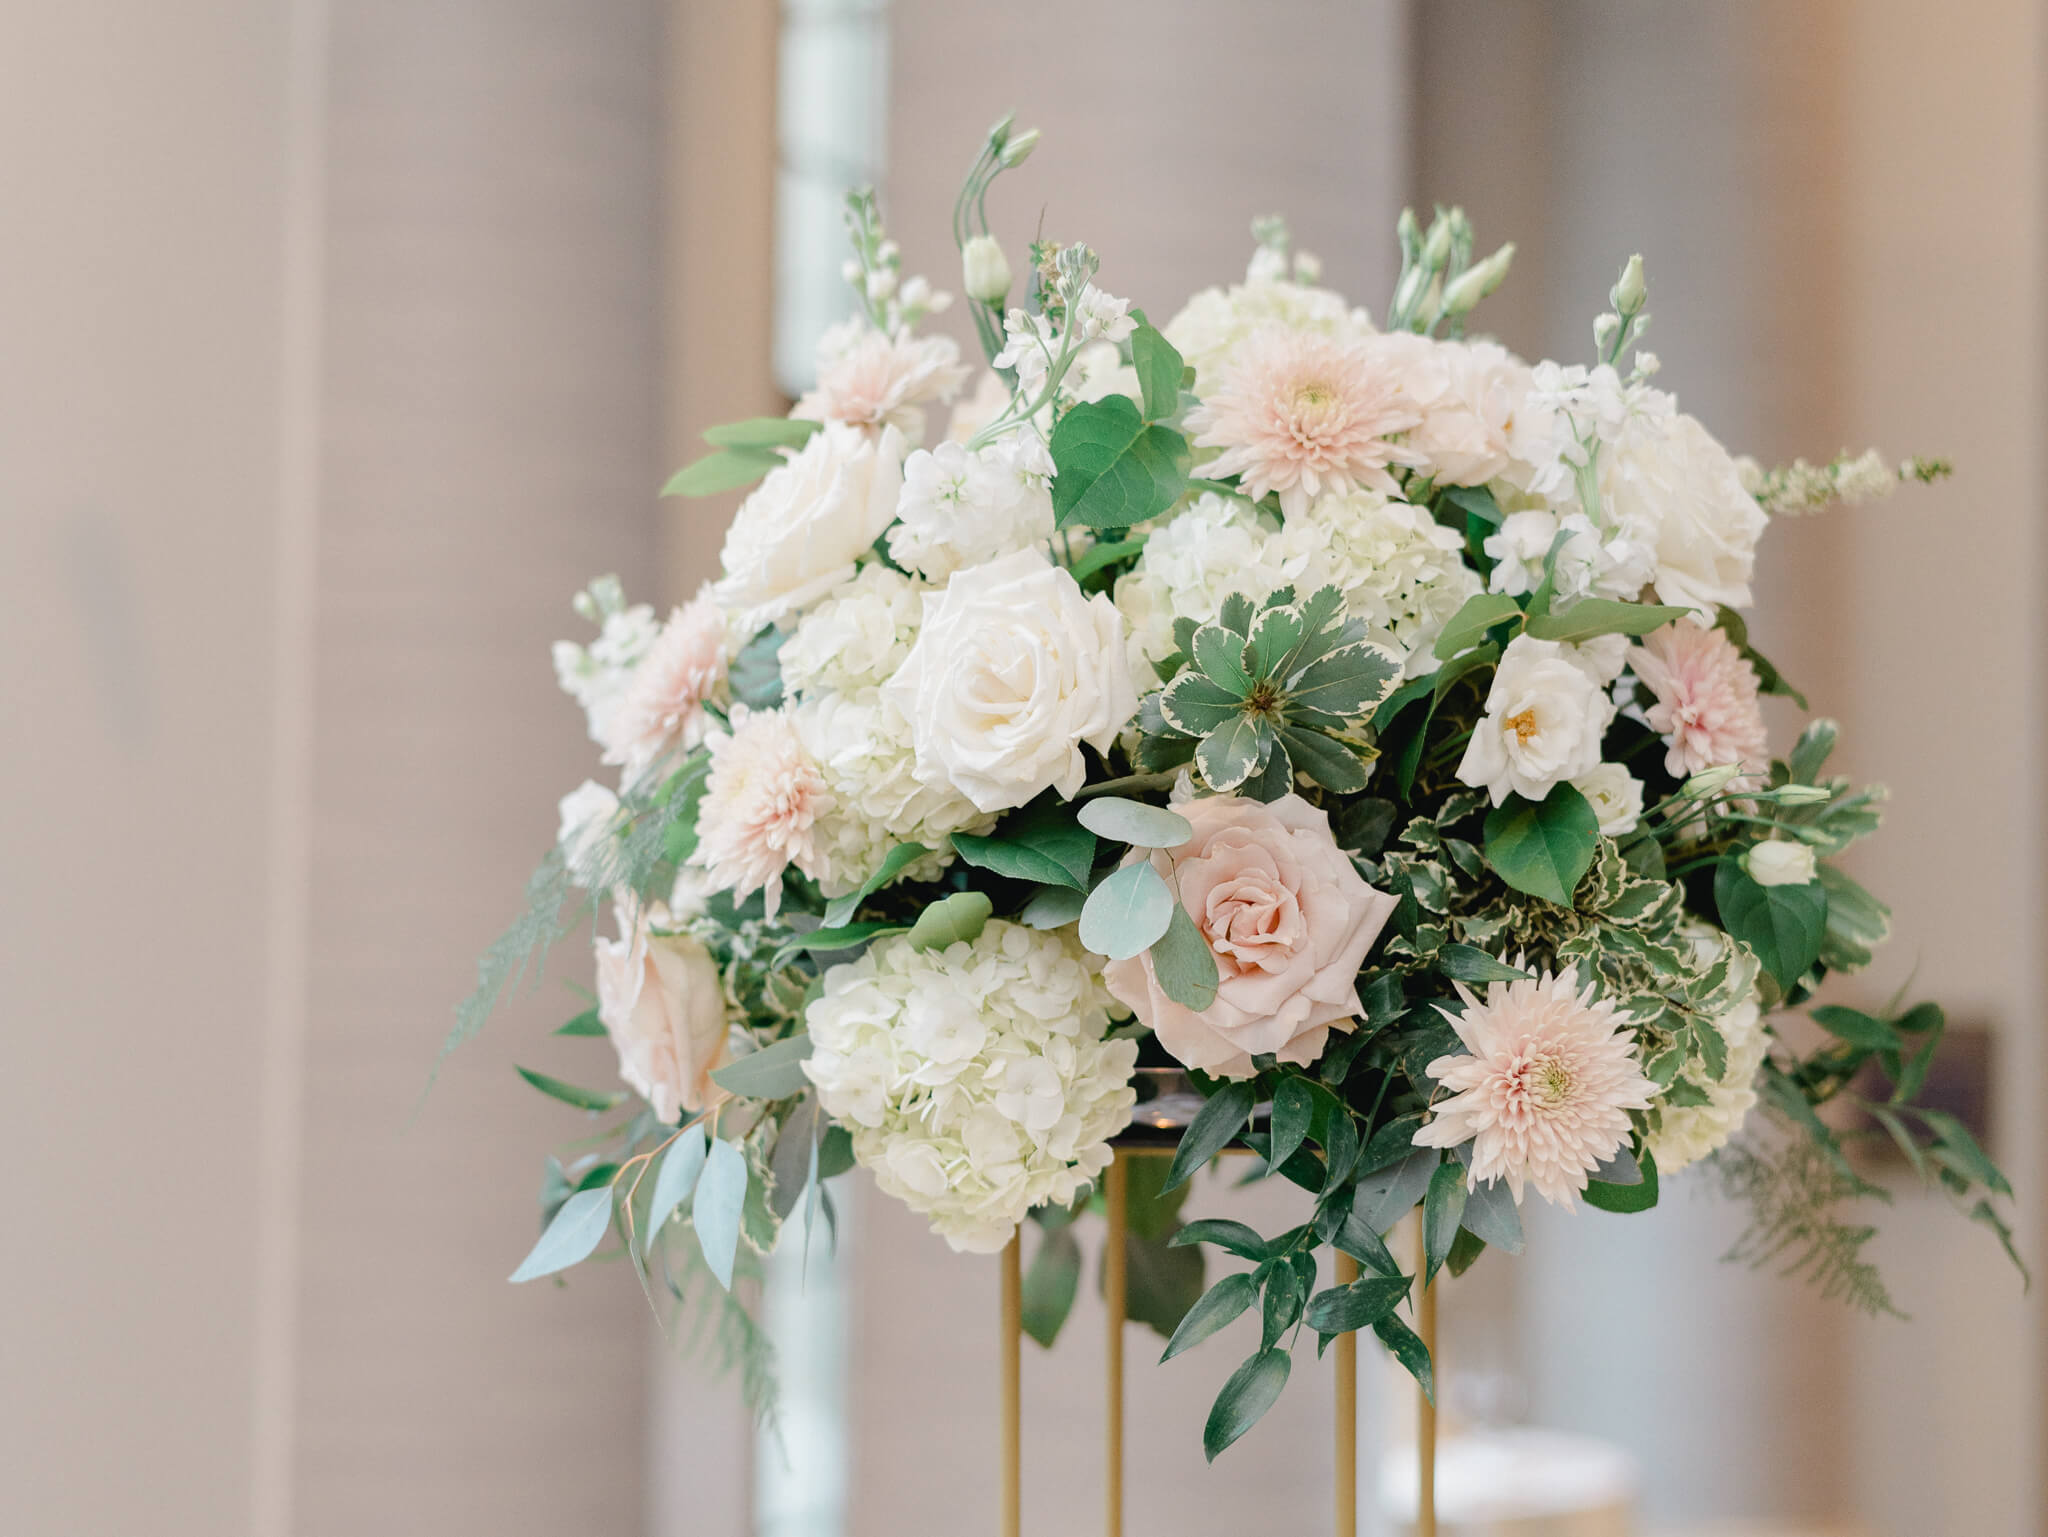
{"x": 1349, "y": 714}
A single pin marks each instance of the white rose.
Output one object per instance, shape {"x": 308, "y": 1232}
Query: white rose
{"x": 1545, "y": 716}
{"x": 1014, "y": 668}
{"x": 1616, "y": 797}
{"x": 586, "y": 837}
{"x": 1668, "y": 479}
{"x": 798, "y": 536}
{"x": 1780, "y": 862}
{"x": 662, "y": 1002}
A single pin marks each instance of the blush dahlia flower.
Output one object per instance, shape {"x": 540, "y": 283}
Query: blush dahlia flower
{"x": 762, "y": 803}
{"x": 1706, "y": 707}
{"x": 1305, "y": 415}
{"x": 1545, "y": 1094}
{"x": 662, "y": 706}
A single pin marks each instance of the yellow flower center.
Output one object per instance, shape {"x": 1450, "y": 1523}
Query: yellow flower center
{"x": 1551, "y": 1081}
{"x": 1523, "y": 724}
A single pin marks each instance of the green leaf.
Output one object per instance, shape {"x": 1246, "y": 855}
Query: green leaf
{"x": 789, "y": 1169}
{"x": 1149, "y": 1213}
{"x": 825, "y": 941}
{"x": 1965, "y": 1156}
{"x": 1111, "y": 468}
{"x": 726, "y": 470}
{"x": 1443, "y": 1211}
{"x": 1361, "y": 1304}
{"x": 1590, "y": 617}
{"x": 1052, "y": 908}
{"x": 586, "y": 1023}
{"x": 1213, "y": 1128}
{"x": 1128, "y": 913}
{"x": 1184, "y": 963}
{"x": 1284, "y": 1296}
{"x": 1810, "y": 753}
{"x": 1782, "y": 925}
{"x": 1355, "y": 1237}
{"x": 773, "y": 1072}
{"x": 1324, "y": 759}
{"x": 1220, "y": 655}
{"x": 1492, "y": 1216}
{"x": 1987, "y": 1214}
{"x": 675, "y": 1179}
{"x": 1250, "y": 1392}
{"x": 1225, "y": 1234}
{"x": 1468, "y": 626}
{"x": 1474, "y": 502}
{"x": 835, "y": 1152}
{"x": 1230, "y": 754}
{"x": 1105, "y": 553}
{"x": 1294, "y": 1106}
{"x": 578, "y": 1228}
{"x": 1135, "y": 823}
{"x": 569, "y": 1093}
{"x": 898, "y": 859}
{"x": 1159, "y": 369}
{"x": 951, "y": 920}
{"x": 1041, "y": 843}
{"x": 1858, "y": 1028}
{"x": 1406, "y": 1346}
{"x": 763, "y": 432}
{"x": 1543, "y": 849}
{"x": 1387, "y": 1195}
{"x": 1276, "y": 634}
{"x": 1196, "y": 705}
{"x": 1469, "y": 963}
{"x": 1218, "y": 1306}
{"x": 1161, "y": 1283}
{"x": 715, "y": 1211}
{"x": 1349, "y": 682}
{"x": 1050, "y": 1286}
{"x": 1626, "y": 1198}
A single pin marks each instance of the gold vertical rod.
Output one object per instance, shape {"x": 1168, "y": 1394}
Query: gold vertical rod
{"x": 1116, "y": 1196}
{"x": 1425, "y": 1407}
{"x": 1012, "y": 1374}
{"x": 1347, "y": 1414}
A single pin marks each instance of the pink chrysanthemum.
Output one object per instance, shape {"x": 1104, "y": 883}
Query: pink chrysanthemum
{"x": 877, "y": 380}
{"x": 1304, "y": 414}
{"x": 761, "y": 806}
{"x": 1545, "y": 1094}
{"x": 662, "y": 707}
{"x": 1706, "y": 705}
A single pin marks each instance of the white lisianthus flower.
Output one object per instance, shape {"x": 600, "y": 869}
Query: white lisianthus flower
{"x": 662, "y": 1002}
{"x": 1217, "y": 546}
{"x": 1615, "y": 795}
{"x": 961, "y": 509}
{"x": 1014, "y": 668}
{"x": 798, "y": 536}
{"x": 1545, "y": 716}
{"x": 984, "y": 270}
{"x": 856, "y": 638}
{"x": 1468, "y": 393}
{"x": 586, "y": 835}
{"x": 976, "y": 1080}
{"x": 1402, "y": 572}
{"x": 1780, "y": 862}
{"x": 1684, "y": 1134}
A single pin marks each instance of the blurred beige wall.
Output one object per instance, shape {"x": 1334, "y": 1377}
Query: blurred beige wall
{"x": 330, "y": 373}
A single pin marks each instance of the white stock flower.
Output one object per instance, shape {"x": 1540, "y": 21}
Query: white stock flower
{"x": 856, "y": 638}
{"x": 1545, "y": 716}
{"x": 1780, "y": 862}
{"x": 596, "y": 675}
{"x": 1615, "y": 795}
{"x": 1014, "y": 668}
{"x": 1402, "y": 572}
{"x": 1592, "y": 563}
{"x": 586, "y": 835}
{"x": 798, "y": 536}
{"x": 962, "y": 509}
{"x": 975, "y": 1080}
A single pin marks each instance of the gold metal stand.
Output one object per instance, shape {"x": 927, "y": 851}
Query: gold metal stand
{"x": 1116, "y": 1197}
{"x": 1012, "y": 1372}
{"x": 1346, "y": 1350}
{"x": 1425, "y": 1408}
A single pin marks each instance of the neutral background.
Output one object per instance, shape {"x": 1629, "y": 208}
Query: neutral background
{"x": 344, "y": 339}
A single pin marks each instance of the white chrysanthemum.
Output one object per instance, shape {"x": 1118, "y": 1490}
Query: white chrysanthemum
{"x": 962, "y": 509}
{"x": 1402, "y": 572}
{"x": 595, "y": 676}
{"x": 864, "y": 749}
{"x": 1544, "y": 1095}
{"x": 856, "y": 638}
{"x": 975, "y": 1080}
{"x": 1213, "y": 324}
{"x": 1687, "y": 1133}
{"x": 1216, "y": 547}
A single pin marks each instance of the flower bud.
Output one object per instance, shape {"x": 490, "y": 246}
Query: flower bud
{"x": 1475, "y": 283}
{"x": 1710, "y": 781}
{"x": 1436, "y": 249}
{"x": 1605, "y": 329}
{"x": 1779, "y": 862}
{"x": 1019, "y": 149}
{"x": 1801, "y": 795}
{"x": 881, "y": 284}
{"x": 999, "y": 135}
{"x": 985, "y": 271}
{"x": 1410, "y": 236}
{"x": 1308, "y": 267}
{"x": 1629, "y": 293}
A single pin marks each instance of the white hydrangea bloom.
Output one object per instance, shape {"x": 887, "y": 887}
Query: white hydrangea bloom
{"x": 856, "y": 638}
{"x": 1216, "y": 547}
{"x": 1213, "y": 324}
{"x": 976, "y": 1080}
{"x": 1687, "y": 1133}
{"x": 961, "y": 508}
{"x": 1402, "y": 572}
{"x": 595, "y": 676}
{"x": 864, "y": 749}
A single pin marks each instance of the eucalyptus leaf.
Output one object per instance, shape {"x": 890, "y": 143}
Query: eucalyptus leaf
{"x": 774, "y": 1072}
{"x": 675, "y": 1179}
{"x": 1184, "y": 964}
{"x": 726, "y": 470}
{"x": 763, "y": 432}
{"x": 576, "y": 1231}
{"x": 951, "y": 920}
{"x": 1135, "y": 823}
{"x": 1626, "y": 1198}
{"x": 1050, "y": 1286}
{"x": 1388, "y": 1195}
{"x": 716, "y": 1209}
{"x": 1128, "y": 913}
{"x": 586, "y": 1023}
{"x": 1492, "y": 1216}
{"x": 1052, "y": 908}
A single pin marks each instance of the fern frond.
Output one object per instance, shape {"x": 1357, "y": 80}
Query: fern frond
{"x": 1793, "y": 1189}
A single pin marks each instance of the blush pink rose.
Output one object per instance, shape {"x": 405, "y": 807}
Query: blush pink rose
{"x": 662, "y": 1002}
{"x": 1289, "y": 920}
